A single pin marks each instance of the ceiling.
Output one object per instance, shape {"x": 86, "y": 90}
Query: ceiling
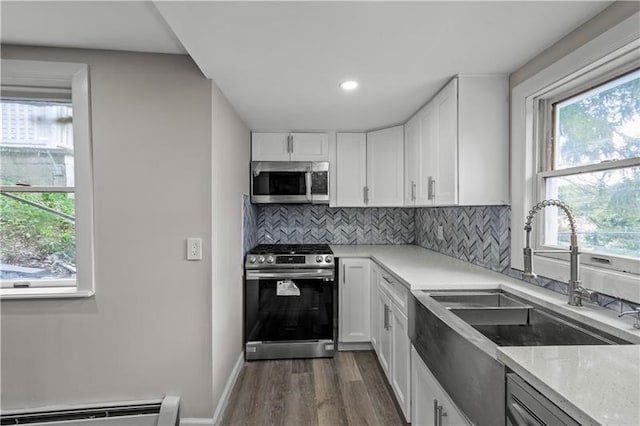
{"x": 280, "y": 63}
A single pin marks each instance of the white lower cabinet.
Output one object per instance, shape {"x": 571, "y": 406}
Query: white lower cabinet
{"x": 430, "y": 404}
{"x": 393, "y": 345}
{"x": 354, "y": 322}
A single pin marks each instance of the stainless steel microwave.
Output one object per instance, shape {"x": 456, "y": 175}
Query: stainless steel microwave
{"x": 289, "y": 182}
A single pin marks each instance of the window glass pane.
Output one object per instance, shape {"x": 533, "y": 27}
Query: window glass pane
{"x": 37, "y": 242}
{"x": 36, "y": 147}
{"x": 607, "y": 209}
{"x": 599, "y": 125}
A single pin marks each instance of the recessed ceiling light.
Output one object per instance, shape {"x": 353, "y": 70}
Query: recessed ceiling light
{"x": 349, "y": 85}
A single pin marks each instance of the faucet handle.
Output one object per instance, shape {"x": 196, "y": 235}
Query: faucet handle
{"x": 635, "y": 312}
{"x": 584, "y": 294}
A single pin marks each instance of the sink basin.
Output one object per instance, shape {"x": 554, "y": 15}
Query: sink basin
{"x": 508, "y": 320}
{"x": 483, "y": 299}
{"x": 485, "y": 308}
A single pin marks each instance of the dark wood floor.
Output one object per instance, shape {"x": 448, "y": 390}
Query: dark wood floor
{"x": 349, "y": 389}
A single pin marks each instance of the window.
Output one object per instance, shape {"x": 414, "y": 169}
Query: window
{"x": 46, "y": 207}
{"x": 548, "y": 161}
{"x": 590, "y": 159}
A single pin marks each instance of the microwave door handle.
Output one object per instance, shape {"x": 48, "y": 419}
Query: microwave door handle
{"x": 308, "y": 180}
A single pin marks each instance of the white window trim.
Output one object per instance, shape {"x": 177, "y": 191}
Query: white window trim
{"x": 600, "y": 52}
{"x": 53, "y": 74}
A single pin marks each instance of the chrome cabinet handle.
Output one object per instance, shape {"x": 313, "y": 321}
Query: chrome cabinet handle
{"x": 290, "y": 143}
{"x": 365, "y": 194}
{"x": 386, "y": 317}
{"x": 413, "y": 190}
{"x": 344, "y": 274}
{"x": 431, "y": 189}
{"x": 435, "y": 412}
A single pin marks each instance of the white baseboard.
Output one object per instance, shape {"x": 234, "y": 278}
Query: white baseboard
{"x": 192, "y": 421}
{"x": 224, "y": 399}
{"x": 354, "y": 346}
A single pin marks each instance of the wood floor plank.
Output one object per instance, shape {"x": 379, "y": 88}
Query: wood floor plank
{"x": 360, "y": 409}
{"x": 379, "y": 389}
{"x": 243, "y": 400}
{"x": 300, "y": 403}
{"x": 301, "y": 366}
{"x": 329, "y": 402}
{"x": 273, "y": 393}
{"x": 349, "y": 389}
{"x": 347, "y": 368}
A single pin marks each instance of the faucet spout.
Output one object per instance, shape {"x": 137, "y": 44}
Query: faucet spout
{"x": 576, "y": 291}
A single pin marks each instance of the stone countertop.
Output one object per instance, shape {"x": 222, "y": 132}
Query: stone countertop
{"x": 591, "y": 383}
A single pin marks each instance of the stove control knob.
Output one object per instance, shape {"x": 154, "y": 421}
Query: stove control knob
{"x": 252, "y": 259}
{"x": 270, "y": 259}
{"x": 318, "y": 259}
{"x": 261, "y": 259}
{"x": 328, "y": 259}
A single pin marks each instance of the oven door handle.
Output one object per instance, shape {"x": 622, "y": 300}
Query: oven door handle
{"x": 280, "y": 274}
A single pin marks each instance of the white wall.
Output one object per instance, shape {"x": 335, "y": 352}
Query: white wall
{"x": 230, "y": 158}
{"x": 147, "y": 331}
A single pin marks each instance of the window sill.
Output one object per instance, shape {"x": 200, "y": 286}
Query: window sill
{"x": 606, "y": 281}
{"x": 44, "y": 293}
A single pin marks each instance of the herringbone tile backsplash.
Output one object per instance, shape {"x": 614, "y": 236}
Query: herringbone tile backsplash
{"x": 479, "y": 235}
{"x": 313, "y": 224}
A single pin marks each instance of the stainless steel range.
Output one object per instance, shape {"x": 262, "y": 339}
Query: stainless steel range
{"x": 290, "y": 302}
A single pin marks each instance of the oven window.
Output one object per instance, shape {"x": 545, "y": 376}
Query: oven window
{"x": 270, "y": 317}
{"x": 279, "y": 183}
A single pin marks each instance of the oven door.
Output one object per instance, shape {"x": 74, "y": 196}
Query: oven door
{"x": 290, "y": 314}
{"x": 289, "y": 182}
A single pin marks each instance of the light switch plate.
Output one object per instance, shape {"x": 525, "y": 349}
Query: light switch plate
{"x": 440, "y": 233}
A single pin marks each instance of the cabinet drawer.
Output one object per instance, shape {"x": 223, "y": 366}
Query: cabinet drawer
{"x": 396, "y": 291}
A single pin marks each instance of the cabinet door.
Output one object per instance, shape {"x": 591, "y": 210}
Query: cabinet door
{"x": 384, "y": 342}
{"x": 351, "y": 169}
{"x": 310, "y": 147}
{"x": 354, "y": 297}
{"x": 411, "y": 141}
{"x": 375, "y": 313}
{"x": 401, "y": 361}
{"x": 385, "y": 164}
{"x": 422, "y": 394}
{"x": 430, "y": 405}
{"x": 445, "y": 187}
{"x": 269, "y": 147}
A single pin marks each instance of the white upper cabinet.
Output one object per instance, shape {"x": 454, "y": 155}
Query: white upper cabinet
{"x": 457, "y": 145}
{"x": 289, "y": 147}
{"x": 370, "y": 168}
{"x": 351, "y": 170}
{"x": 270, "y": 146}
{"x": 385, "y": 165}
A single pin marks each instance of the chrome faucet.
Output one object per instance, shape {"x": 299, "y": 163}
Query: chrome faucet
{"x": 576, "y": 291}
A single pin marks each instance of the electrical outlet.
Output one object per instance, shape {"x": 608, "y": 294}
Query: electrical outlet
{"x": 194, "y": 248}
{"x": 440, "y": 233}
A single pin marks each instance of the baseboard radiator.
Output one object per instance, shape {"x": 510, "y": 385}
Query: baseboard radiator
{"x": 160, "y": 412}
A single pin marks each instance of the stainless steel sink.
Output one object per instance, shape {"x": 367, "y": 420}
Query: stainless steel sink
{"x": 510, "y": 321}
{"x": 485, "y": 308}
{"x": 457, "y": 335}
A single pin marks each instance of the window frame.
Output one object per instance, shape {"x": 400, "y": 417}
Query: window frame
{"x": 53, "y": 77}
{"x": 606, "y": 52}
{"x": 543, "y": 120}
